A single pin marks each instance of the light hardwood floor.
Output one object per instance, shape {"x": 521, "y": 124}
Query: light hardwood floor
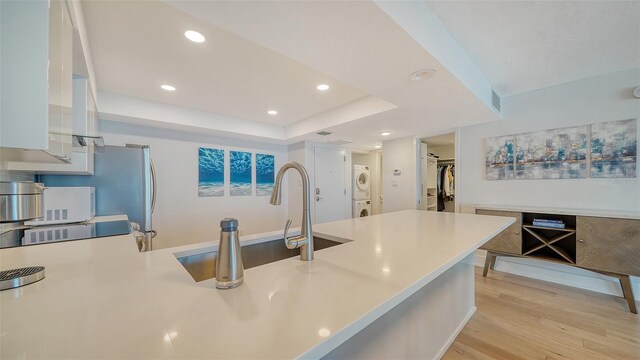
{"x": 523, "y": 318}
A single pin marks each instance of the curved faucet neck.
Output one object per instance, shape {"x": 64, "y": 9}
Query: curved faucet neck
{"x": 305, "y": 181}
{"x": 306, "y": 233}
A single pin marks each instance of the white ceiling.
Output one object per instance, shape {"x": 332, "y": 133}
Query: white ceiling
{"x": 358, "y": 43}
{"x": 271, "y": 54}
{"x": 139, "y": 45}
{"x": 523, "y": 46}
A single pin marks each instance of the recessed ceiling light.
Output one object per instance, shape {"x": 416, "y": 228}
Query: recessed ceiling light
{"x": 422, "y": 74}
{"x": 377, "y": 146}
{"x": 194, "y": 36}
{"x": 272, "y": 112}
{"x": 322, "y": 87}
{"x": 385, "y": 133}
{"x": 168, "y": 87}
{"x": 324, "y": 332}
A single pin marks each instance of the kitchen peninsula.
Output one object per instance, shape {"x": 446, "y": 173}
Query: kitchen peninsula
{"x": 400, "y": 285}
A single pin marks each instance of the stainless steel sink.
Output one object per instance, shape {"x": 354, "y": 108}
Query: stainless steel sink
{"x": 203, "y": 266}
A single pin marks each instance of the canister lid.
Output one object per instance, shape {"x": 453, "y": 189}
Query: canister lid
{"x": 20, "y": 188}
{"x": 229, "y": 224}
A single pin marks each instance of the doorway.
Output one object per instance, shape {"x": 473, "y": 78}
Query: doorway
{"x": 437, "y": 190}
{"x": 330, "y": 193}
{"x": 366, "y": 199}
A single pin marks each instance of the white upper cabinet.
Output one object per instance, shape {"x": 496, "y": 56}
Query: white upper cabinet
{"x": 84, "y": 117}
{"x": 36, "y": 65}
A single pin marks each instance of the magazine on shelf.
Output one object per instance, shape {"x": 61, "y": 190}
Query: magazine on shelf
{"x": 549, "y": 225}
{"x": 549, "y": 221}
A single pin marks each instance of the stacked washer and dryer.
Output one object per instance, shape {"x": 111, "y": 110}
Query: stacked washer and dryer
{"x": 361, "y": 191}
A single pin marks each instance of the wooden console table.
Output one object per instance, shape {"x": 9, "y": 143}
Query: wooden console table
{"x": 604, "y": 242}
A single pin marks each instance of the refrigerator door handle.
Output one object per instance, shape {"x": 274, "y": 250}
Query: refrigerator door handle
{"x": 155, "y": 189}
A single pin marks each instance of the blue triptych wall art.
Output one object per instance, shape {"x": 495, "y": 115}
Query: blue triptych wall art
{"x": 264, "y": 174}
{"x": 240, "y": 171}
{"x": 210, "y": 172}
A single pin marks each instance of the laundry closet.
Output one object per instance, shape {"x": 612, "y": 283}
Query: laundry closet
{"x": 366, "y": 182}
{"x": 437, "y": 173}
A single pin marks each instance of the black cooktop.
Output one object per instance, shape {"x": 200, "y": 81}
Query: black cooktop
{"x": 37, "y": 235}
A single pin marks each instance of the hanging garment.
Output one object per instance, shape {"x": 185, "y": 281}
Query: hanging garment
{"x": 441, "y": 181}
{"x": 447, "y": 181}
{"x": 452, "y": 180}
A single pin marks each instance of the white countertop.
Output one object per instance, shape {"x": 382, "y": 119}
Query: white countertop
{"x": 103, "y": 299}
{"x": 619, "y": 214}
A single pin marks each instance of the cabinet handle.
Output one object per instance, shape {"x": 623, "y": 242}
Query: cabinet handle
{"x": 517, "y": 233}
{"x": 581, "y": 241}
{"x": 64, "y": 158}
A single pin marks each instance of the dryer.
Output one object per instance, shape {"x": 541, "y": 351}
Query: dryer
{"x": 361, "y": 182}
{"x": 361, "y": 208}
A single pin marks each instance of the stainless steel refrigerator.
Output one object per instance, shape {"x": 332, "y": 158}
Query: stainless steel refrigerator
{"x": 124, "y": 179}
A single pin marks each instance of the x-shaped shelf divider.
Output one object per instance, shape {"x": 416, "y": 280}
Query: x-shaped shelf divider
{"x": 549, "y": 242}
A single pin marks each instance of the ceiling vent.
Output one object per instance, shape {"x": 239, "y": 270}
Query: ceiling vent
{"x": 339, "y": 142}
{"x": 496, "y": 102}
{"x": 323, "y": 133}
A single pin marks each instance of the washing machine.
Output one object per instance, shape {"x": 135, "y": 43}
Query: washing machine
{"x": 361, "y": 182}
{"x": 361, "y": 208}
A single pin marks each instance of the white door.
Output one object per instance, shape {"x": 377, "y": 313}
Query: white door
{"x": 330, "y": 193}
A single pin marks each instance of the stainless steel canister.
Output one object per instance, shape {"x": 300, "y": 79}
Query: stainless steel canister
{"x": 20, "y": 201}
{"x": 229, "y": 268}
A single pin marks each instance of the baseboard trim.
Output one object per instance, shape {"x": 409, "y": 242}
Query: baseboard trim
{"x": 559, "y": 274}
{"x": 453, "y": 336}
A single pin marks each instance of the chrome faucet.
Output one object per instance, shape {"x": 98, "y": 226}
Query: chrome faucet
{"x": 304, "y": 241}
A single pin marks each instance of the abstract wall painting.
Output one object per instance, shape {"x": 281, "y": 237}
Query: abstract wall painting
{"x": 240, "y": 173}
{"x": 210, "y": 172}
{"x": 552, "y": 154}
{"x": 264, "y": 174}
{"x": 499, "y": 152}
{"x": 614, "y": 149}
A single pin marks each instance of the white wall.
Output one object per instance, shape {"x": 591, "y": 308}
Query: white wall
{"x": 376, "y": 192}
{"x": 400, "y": 192}
{"x": 181, "y": 217}
{"x": 599, "y": 99}
{"x": 604, "y": 98}
{"x": 371, "y": 159}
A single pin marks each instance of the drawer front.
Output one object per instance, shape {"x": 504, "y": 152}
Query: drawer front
{"x": 607, "y": 244}
{"x": 508, "y": 241}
